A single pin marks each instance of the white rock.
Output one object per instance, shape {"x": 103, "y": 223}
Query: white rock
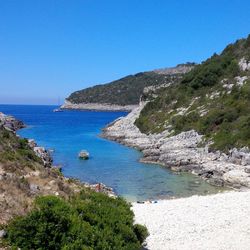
{"x": 240, "y": 80}
{"x": 181, "y": 150}
{"x": 2, "y": 233}
{"x": 244, "y": 65}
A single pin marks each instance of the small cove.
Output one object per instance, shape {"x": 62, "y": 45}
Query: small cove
{"x": 113, "y": 164}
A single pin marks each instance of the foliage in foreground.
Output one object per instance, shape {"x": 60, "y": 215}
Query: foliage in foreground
{"x": 89, "y": 220}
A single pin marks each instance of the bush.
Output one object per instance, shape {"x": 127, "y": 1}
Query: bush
{"x": 23, "y": 143}
{"x": 141, "y": 232}
{"x": 88, "y": 221}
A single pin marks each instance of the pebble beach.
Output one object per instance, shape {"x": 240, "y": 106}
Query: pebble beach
{"x": 219, "y": 221}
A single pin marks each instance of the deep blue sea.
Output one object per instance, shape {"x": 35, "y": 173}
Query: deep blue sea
{"x": 113, "y": 164}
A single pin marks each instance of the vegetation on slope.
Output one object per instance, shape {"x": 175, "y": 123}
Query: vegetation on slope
{"x": 125, "y": 91}
{"x": 23, "y": 177}
{"x": 209, "y": 99}
{"x": 13, "y": 149}
{"x": 76, "y": 218}
{"x": 88, "y": 220}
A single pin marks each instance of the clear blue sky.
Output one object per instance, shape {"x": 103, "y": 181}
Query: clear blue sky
{"x": 50, "y": 48}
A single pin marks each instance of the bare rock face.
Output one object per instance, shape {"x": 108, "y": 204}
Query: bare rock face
{"x": 124, "y": 131}
{"x": 244, "y": 64}
{"x": 41, "y": 152}
{"x": 2, "y": 233}
{"x": 179, "y": 69}
{"x": 182, "y": 152}
{"x": 10, "y": 123}
{"x": 45, "y": 155}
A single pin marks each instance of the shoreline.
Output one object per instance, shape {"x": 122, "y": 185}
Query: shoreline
{"x": 180, "y": 153}
{"x": 12, "y": 124}
{"x": 96, "y": 107}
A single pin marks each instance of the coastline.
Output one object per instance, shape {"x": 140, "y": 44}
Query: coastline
{"x": 200, "y": 222}
{"x": 182, "y": 153}
{"x": 96, "y": 106}
{"x": 12, "y": 124}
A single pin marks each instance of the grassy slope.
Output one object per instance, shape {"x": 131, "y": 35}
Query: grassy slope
{"x": 207, "y": 106}
{"x": 125, "y": 91}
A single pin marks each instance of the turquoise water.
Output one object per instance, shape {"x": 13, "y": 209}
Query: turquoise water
{"x": 111, "y": 163}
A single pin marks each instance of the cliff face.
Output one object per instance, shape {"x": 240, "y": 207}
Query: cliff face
{"x": 200, "y": 124}
{"x": 123, "y": 94}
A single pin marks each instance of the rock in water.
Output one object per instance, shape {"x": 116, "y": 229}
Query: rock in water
{"x": 84, "y": 155}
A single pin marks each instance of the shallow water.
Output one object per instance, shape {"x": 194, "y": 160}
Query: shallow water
{"x": 115, "y": 165}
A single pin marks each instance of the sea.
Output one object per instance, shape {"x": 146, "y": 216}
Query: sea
{"x": 67, "y": 133}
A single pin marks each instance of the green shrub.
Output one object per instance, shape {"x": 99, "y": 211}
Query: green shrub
{"x": 88, "y": 221}
{"x": 224, "y": 118}
{"x": 23, "y": 143}
{"x": 141, "y": 232}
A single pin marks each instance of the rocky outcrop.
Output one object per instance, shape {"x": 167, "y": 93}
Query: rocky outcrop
{"x": 244, "y": 64}
{"x": 182, "y": 152}
{"x": 42, "y": 153}
{"x": 101, "y": 188}
{"x": 10, "y": 123}
{"x": 83, "y": 155}
{"x": 97, "y": 106}
{"x": 179, "y": 69}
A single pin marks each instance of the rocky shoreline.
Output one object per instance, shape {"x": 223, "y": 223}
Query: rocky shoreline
{"x": 96, "y": 106}
{"x": 12, "y": 124}
{"x": 182, "y": 152}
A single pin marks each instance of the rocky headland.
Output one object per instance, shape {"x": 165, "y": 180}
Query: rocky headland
{"x": 10, "y": 123}
{"x": 183, "y": 152}
{"x": 97, "y": 106}
{"x": 123, "y": 94}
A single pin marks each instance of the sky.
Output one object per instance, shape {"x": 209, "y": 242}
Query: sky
{"x": 50, "y": 48}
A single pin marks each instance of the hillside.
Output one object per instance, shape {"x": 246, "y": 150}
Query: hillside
{"x": 127, "y": 90}
{"x": 41, "y": 209}
{"x": 23, "y": 177}
{"x": 213, "y": 99}
{"x": 199, "y": 125}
